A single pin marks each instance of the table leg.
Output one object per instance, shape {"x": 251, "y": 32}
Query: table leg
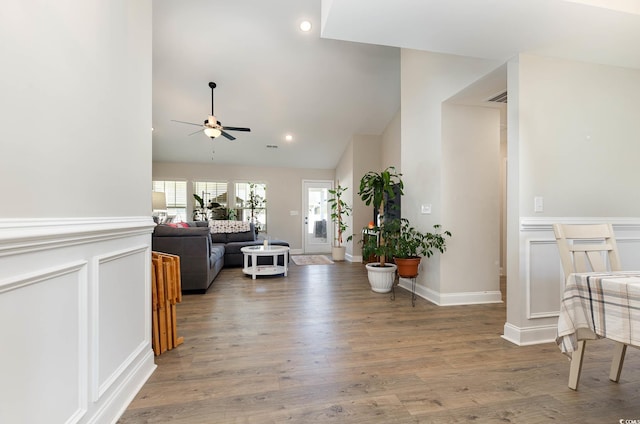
{"x": 254, "y": 266}
{"x": 617, "y": 361}
{"x": 286, "y": 262}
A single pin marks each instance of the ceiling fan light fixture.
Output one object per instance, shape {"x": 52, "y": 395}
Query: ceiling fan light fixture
{"x": 212, "y": 132}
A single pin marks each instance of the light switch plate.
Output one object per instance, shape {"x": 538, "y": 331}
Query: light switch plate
{"x": 425, "y": 209}
{"x": 538, "y": 204}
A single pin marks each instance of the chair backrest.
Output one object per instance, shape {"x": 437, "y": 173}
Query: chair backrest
{"x": 587, "y": 247}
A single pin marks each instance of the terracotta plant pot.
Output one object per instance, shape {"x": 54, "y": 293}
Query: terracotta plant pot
{"x": 407, "y": 267}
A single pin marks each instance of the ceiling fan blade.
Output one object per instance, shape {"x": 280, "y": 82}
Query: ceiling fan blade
{"x": 229, "y": 136}
{"x": 236, "y": 129}
{"x": 189, "y": 123}
{"x": 196, "y": 132}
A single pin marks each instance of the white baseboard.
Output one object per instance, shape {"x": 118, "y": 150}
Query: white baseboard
{"x": 530, "y": 335}
{"x": 451, "y": 299}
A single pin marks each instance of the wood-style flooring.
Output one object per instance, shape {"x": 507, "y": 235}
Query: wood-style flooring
{"x": 319, "y": 347}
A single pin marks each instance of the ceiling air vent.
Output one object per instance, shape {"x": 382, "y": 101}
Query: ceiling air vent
{"x": 500, "y": 98}
{"x": 272, "y": 146}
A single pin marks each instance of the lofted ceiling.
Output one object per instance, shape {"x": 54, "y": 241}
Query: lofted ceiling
{"x": 278, "y": 80}
{"x": 271, "y": 77}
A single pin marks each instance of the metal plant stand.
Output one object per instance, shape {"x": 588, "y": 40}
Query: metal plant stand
{"x": 413, "y": 288}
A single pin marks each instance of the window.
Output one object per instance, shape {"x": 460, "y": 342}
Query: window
{"x": 251, "y": 203}
{"x": 214, "y": 199}
{"x": 176, "y": 194}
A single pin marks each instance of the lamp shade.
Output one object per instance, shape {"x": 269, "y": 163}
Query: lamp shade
{"x": 212, "y": 132}
{"x": 159, "y": 201}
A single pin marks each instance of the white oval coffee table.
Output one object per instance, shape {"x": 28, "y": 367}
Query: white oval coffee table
{"x": 271, "y": 269}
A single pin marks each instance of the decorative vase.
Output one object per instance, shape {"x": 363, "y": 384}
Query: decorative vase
{"x": 338, "y": 253}
{"x": 407, "y": 267}
{"x": 381, "y": 279}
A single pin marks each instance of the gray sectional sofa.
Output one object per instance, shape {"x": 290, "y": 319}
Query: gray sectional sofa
{"x": 203, "y": 253}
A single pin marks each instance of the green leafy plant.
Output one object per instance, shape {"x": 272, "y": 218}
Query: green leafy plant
{"x": 255, "y": 202}
{"x": 405, "y": 241}
{"x": 199, "y": 212}
{"x": 373, "y": 187}
{"x": 339, "y": 211}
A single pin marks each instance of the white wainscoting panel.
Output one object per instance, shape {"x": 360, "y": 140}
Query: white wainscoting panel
{"x": 119, "y": 342}
{"x": 75, "y": 313}
{"x": 43, "y": 345}
{"x": 544, "y": 278}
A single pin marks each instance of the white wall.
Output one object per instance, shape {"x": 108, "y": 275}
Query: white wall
{"x": 284, "y": 190}
{"x": 75, "y": 173}
{"x": 572, "y": 139}
{"x": 428, "y": 80}
{"x": 344, "y": 176}
{"x": 391, "y": 142}
{"x": 76, "y": 108}
{"x": 471, "y": 203}
{"x": 367, "y": 150}
{"x": 579, "y": 132}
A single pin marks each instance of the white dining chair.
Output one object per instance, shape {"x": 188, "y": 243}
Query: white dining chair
{"x": 589, "y": 248}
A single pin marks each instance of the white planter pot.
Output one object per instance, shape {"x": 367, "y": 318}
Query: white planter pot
{"x": 381, "y": 279}
{"x": 338, "y": 253}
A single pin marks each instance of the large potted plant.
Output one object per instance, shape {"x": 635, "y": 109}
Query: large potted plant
{"x": 374, "y": 188}
{"x": 408, "y": 245}
{"x": 339, "y": 211}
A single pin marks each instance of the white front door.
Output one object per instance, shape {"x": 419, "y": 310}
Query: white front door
{"x": 317, "y": 227}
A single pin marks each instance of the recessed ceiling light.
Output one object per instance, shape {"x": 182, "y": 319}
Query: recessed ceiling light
{"x": 305, "y": 26}
{"x": 288, "y": 137}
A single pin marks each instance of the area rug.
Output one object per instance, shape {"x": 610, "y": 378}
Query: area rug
{"x": 311, "y": 260}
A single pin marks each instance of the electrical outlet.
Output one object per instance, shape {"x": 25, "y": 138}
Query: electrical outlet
{"x": 425, "y": 209}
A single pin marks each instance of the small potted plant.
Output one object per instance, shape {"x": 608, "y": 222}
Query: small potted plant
{"x": 339, "y": 211}
{"x": 256, "y": 202}
{"x": 408, "y": 245}
{"x": 374, "y": 187}
{"x": 199, "y": 212}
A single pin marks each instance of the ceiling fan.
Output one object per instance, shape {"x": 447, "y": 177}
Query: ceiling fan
{"x": 212, "y": 127}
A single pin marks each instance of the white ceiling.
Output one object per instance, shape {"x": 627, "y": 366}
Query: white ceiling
{"x": 270, "y": 77}
{"x": 278, "y": 80}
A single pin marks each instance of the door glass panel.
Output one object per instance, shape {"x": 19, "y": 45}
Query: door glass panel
{"x": 318, "y": 215}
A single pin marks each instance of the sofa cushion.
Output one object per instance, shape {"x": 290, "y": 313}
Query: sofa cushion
{"x": 219, "y": 237}
{"x": 219, "y": 226}
{"x": 228, "y": 236}
{"x": 217, "y": 252}
{"x": 168, "y": 231}
{"x": 178, "y": 224}
{"x": 244, "y": 236}
{"x": 198, "y": 223}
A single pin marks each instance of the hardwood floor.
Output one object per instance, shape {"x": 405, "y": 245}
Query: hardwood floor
{"x": 319, "y": 347}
